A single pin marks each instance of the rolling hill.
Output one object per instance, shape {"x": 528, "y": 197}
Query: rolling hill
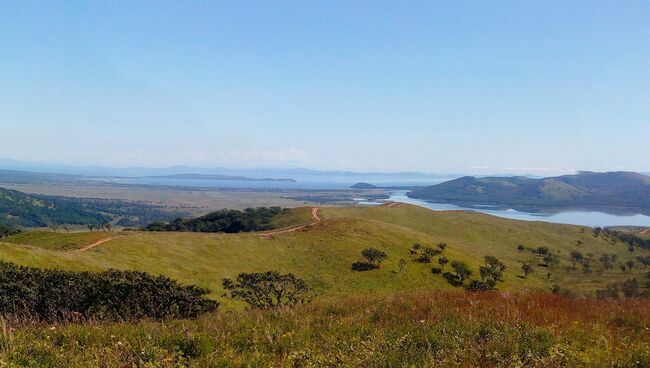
{"x": 623, "y": 190}
{"x": 20, "y": 209}
{"x": 322, "y": 251}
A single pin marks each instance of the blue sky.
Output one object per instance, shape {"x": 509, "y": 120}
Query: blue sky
{"x": 439, "y": 86}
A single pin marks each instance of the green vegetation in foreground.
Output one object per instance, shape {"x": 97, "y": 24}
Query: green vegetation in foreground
{"x": 54, "y": 295}
{"x": 402, "y": 330}
{"x": 322, "y": 254}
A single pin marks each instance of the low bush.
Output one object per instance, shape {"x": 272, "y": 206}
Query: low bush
{"x": 363, "y": 266}
{"x": 54, "y": 295}
{"x": 269, "y": 289}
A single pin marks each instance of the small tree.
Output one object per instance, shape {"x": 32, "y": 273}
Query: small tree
{"x": 527, "y": 268}
{"x": 90, "y": 227}
{"x": 67, "y": 229}
{"x": 108, "y": 227}
{"x": 269, "y": 289}
{"x": 492, "y": 271}
{"x": 630, "y": 265}
{"x": 462, "y": 270}
{"x": 575, "y": 258}
{"x": 442, "y": 261}
{"x": 374, "y": 256}
{"x": 521, "y": 248}
{"x": 401, "y": 264}
{"x": 442, "y": 246}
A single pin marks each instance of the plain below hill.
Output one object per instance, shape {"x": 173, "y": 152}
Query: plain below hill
{"x": 625, "y": 190}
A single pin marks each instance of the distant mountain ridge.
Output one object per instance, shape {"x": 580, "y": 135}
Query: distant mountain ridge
{"x": 219, "y": 177}
{"x": 584, "y": 189}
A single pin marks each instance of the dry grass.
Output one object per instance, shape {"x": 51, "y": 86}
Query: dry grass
{"x": 441, "y": 329}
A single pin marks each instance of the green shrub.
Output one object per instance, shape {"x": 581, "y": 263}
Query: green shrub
{"x": 53, "y": 295}
{"x": 269, "y": 289}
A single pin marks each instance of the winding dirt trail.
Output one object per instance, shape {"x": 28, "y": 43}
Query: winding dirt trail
{"x": 314, "y": 216}
{"x": 391, "y": 204}
{"x": 98, "y": 242}
{"x": 644, "y": 231}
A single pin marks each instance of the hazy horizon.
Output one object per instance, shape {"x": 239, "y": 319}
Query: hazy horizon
{"x": 446, "y": 87}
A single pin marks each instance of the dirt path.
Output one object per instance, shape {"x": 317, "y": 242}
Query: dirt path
{"x": 391, "y": 204}
{"x": 98, "y": 242}
{"x": 314, "y": 216}
{"x": 644, "y": 231}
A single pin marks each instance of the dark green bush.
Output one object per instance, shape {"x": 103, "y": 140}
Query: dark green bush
{"x": 227, "y": 221}
{"x": 269, "y": 289}
{"x": 8, "y": 231}
{"x": 54, "y": 295}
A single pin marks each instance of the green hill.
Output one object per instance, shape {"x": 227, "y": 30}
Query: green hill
{"x": 322, "y": 253}
{"x": 585, "y": 189}
{"x": 20, "y": 209}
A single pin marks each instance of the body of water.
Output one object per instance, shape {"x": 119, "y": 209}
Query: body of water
{"x": 573, "y": 217}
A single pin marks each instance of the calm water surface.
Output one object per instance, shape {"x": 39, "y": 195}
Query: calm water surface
{"x": 584, "y": 218}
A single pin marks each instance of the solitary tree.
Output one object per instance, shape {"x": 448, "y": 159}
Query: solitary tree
{"x": 575, "y": 258}
{"x": 521, "y": 248}
{"x": 462, "y": 270}
{"x": 374, "y": 256}
{"x": 269, "y": 289}
{"x": 527, "y": 268}
{"x": 401, "y": 264}
{"x": 91, "y": 227}
{"x": 108, "y": 227}
{"x": 442, "y": 261}
{"x": 492, "y": 271}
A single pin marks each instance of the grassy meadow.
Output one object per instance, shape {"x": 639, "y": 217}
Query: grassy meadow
{"x": 427, "y": 329}
{"x": 385, "y": 317}
{"x": 323, "y": 252}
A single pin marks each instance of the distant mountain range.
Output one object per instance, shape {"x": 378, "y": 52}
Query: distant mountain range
{"x": 219, "y": 177}
{"x": 298, "y": 174}
{"x": 585, "y": 189}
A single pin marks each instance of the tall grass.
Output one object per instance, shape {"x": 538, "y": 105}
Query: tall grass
{"x": 447, "y": 329}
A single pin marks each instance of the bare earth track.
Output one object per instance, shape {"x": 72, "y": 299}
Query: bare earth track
{"x": 98, "y": 242}
{"x": 314, "y": 216}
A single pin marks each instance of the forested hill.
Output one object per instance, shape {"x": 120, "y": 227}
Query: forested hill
{"x": 21, "y": 209}
{"x": 585, "y": 189}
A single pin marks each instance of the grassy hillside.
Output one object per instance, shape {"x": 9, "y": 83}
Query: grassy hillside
{"x": 585, "y": 189}
{"x": 401, "y": 330}
{"x": 323, "y": 252}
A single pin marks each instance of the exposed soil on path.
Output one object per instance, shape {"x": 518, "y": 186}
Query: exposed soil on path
{"x": 98, "y": 242}
{"x": 314, "y": 216}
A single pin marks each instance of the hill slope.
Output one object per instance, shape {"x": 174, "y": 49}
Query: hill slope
{"x": 20, "y": 209}
{"x": 585, "y": 189}
{"x": 323, "y": 252}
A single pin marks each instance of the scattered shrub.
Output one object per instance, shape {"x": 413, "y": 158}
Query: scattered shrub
{"x": 436, "y": 270}
{"x": 269, "y": 289}
{"x": 363, "y": 266}
{"x": 374, "y": 256}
